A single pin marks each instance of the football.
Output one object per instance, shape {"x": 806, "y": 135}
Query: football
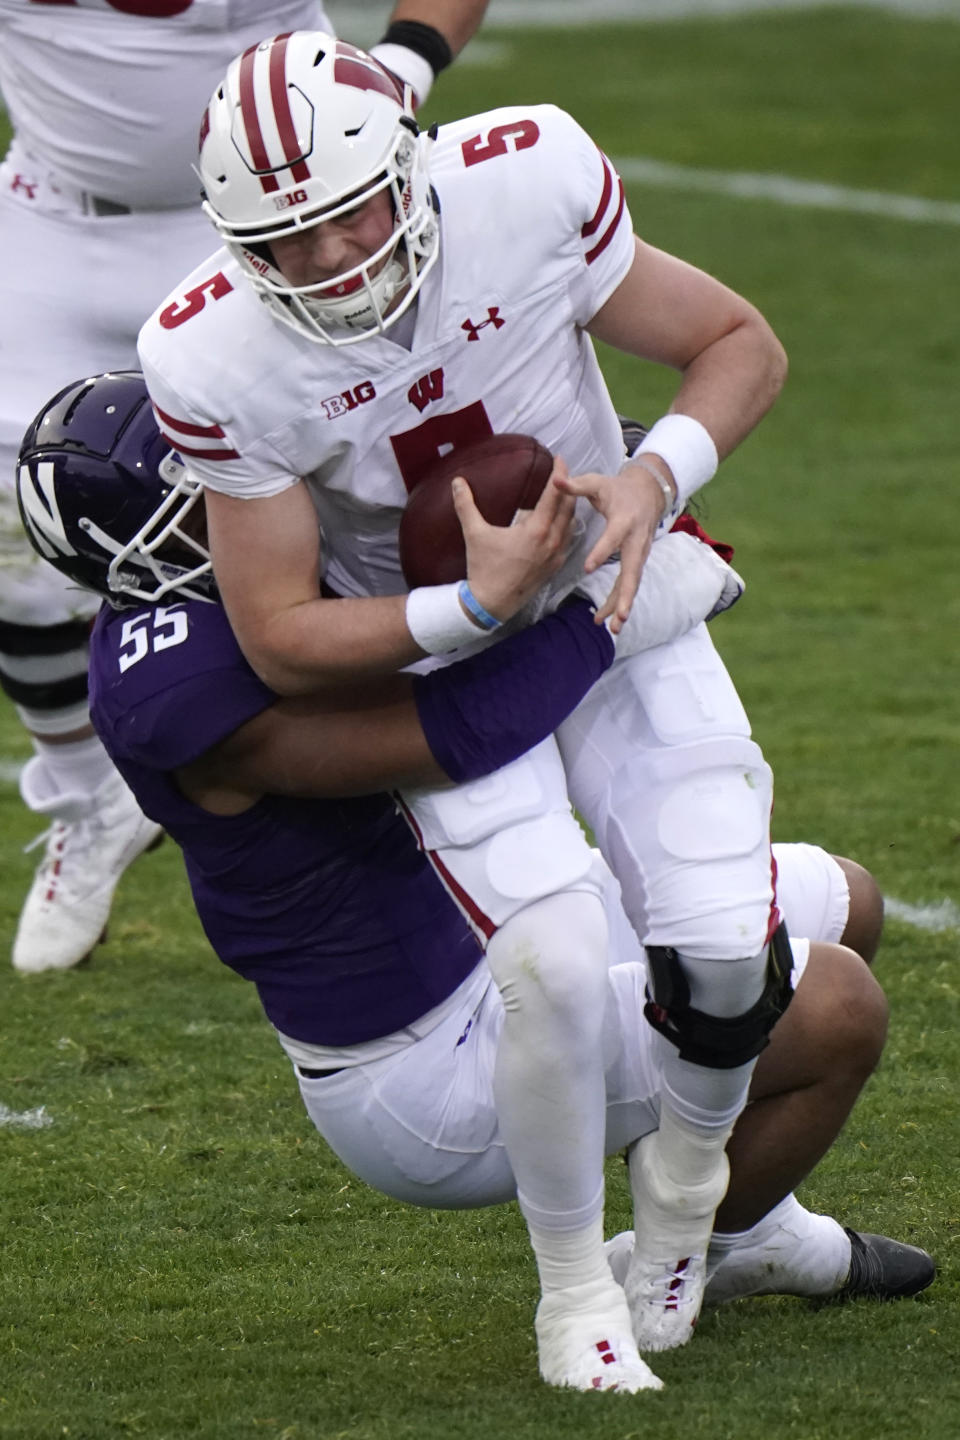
{"x": 506, "y": 473}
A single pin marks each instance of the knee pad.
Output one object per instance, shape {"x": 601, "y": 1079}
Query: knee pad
{"x": 504, "y": 841}
{"x": 686, "y": 832}
{"x": 43, "y": 669}
{"x": 713, "y": 1041}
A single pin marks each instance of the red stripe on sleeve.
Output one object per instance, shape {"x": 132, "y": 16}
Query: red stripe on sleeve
{"x": 198, "y": 454}
{"x": 186, "y": 426}
{"x": 593, "y": 224}
{"x": 609, "y": 233}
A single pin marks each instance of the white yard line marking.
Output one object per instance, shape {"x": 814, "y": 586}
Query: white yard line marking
{"x": 10, "y": 770}
{"x": 782, "y": 190}
{"x": 25, "y": 1119}
{"x": 945, "y": 915}
{"x": 364, "y": 25}
{"x": 563, "y": 13}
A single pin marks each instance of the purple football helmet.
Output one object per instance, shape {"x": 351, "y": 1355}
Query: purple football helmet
{"x": 105, "y": 500}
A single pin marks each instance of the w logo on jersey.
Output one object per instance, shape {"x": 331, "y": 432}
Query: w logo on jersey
{"x": 493, "y": 318}
{"x": 427, "y": 388}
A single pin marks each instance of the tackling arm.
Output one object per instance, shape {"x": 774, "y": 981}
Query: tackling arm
{"x": 266, "y": 557}
{"x": 455, "y": 723}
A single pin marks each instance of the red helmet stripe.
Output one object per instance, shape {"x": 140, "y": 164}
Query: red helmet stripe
{"x": 251, "y": 122}
{"x": 354, "y": 67}
{"x": 280, "y": 96}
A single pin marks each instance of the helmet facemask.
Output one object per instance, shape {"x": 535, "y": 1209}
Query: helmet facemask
{"x": 167, "y": 555}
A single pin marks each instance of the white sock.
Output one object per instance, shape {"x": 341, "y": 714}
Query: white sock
{"x": 76, "y": 767}
{"x": 569, "y": 1257}
{"x": 790, "y": 1251}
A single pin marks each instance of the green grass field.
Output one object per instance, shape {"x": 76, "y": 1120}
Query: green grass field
{"x": 181, "y": 1255}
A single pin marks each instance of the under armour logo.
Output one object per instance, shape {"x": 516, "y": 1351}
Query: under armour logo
{"x": 28, "y": 186}
{"x": 493, "y": 318}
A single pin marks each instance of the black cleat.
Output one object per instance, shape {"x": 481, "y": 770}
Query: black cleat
{"x": 884, "y": 1269}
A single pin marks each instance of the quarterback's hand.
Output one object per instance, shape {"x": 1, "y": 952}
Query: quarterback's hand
{"x": 508, "y": 564}
{"x": 632, "y": 504}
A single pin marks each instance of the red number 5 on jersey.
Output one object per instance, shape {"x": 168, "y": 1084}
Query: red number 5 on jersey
{"x": 523, "y": 134}
{"x": 194, "y": 300}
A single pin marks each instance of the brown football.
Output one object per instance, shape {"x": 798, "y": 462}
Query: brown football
{"x": 506, "y": 473}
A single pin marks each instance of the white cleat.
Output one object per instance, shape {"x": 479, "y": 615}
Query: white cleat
{"x": 91, "y": 842}
{"x": 667, "y": 1270}
{"x": 584, "y": 1341}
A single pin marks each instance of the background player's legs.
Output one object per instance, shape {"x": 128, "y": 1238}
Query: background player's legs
{"x": 96, "y": 827}
{"x": 101, "y": 277}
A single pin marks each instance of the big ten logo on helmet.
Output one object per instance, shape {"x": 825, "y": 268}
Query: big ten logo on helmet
{"x": 293, "y": 197}
{"x": 336, "y": 405}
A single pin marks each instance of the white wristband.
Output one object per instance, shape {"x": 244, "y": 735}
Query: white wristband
{"x": 688, "y": 449}
{"x": 408, "y": 66}
{"x": 436, "y": 620}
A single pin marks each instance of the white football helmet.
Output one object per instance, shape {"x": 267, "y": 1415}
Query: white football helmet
{"x": 303, "y": 129}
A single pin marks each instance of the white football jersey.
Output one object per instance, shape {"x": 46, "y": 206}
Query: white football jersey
{"x": 108, "y": 97}
{"x": 535, "y": 236}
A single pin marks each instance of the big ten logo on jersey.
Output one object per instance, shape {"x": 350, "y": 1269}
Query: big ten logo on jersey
{"x": 151, "y": 9}
{"x": 347, "y": 400}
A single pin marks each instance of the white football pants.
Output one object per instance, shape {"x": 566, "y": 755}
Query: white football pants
{"x": 421, "y": 1123}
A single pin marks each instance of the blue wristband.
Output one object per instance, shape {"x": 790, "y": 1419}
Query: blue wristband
{"x": 475, "y": 610}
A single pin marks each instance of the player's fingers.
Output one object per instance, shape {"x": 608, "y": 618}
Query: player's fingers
{"x": 593, "y": 486}
{"x": 553, "y": 501}
{"x": 632, "y": 560}
{"x": 559, "y": 471}
{"x": 606, "y": 546}
{"x": 465, "y": 505}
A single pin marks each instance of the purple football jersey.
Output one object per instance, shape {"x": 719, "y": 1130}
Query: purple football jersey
{"x": 326, "y": 905}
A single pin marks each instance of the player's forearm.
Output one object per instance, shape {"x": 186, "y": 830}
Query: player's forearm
{"x": 731, "y": 385}
{"x": 456, "y": 20}
{"x": 325, "y": 643}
